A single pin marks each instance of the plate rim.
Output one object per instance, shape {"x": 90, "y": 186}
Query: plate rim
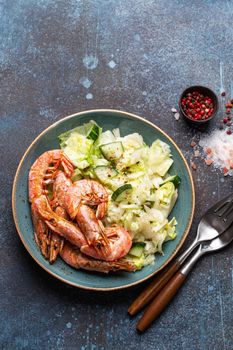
{"x": 121, "y": 114}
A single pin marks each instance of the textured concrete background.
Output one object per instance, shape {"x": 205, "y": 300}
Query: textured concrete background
{"x": 60, "y": 57}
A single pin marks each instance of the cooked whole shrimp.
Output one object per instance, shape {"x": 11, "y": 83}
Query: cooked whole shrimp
{"x": 73, "y": 257}
{"x": 73, "y": 196}
{"x": 50, "y": 217}
{"x": 41, "y": 174}
{"x": 119, "y": 239}
{"x": 58, "y": 224}
{"x": 43, "y": 170}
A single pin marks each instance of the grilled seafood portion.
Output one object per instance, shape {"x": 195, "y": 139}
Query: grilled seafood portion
{"x": 42, "y": 174}
{"x": 73, "y": 257}
{"x": 67, "y": 217}
{"x": 44, "y": 170}
{"x": 72, "y": 196}
{"x": 119, "y": 240}
{"x": 58, "y": 224}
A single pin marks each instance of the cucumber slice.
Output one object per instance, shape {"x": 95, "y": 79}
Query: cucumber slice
{"x": 175, "y": 179}
{"x": 164, "y": 166}
{"x": 122, "y": 192}
{"x": 137, "y": 261}
{"x": 93, "y": 132}
{"x": 104, "y": 173}
{"x": 112, "y": 151}
{"x": 137, "y": 249}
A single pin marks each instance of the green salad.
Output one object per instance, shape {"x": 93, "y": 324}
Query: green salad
{"x": 141, "y": 191}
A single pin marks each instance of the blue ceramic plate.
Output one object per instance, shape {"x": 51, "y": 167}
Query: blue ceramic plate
{"x": 127, "y": 123}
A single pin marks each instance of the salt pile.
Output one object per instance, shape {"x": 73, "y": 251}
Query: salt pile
{"x": 218, "y": 148}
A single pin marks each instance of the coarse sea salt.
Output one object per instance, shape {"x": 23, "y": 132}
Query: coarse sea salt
{"x": 218, "y": 147}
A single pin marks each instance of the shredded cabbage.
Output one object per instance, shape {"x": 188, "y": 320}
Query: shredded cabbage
{"x": 144, "y": 211}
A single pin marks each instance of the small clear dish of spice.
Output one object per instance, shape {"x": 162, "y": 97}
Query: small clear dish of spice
{"x": 198, "y": 104}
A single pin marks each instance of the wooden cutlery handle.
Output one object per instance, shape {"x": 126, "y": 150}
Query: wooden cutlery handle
{"x": 153, "y": 289}
{"x": 161, "y": 301}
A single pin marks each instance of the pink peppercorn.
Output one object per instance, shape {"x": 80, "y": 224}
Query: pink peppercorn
{"x": 197, "y": 106}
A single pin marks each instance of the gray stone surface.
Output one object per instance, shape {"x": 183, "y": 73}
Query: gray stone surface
{"x": 59, "y": 57}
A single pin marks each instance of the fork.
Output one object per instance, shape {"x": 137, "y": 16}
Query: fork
{"x": 171, "y": 288}
{"x": 214, "y": 222}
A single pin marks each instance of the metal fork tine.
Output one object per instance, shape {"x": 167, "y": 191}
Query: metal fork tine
{"x": 227, "y": 214}
{"x": 220, "y": 215}
{"x": 218, "y": 210}
{"x": 218, "y": 206}
{"x": 224, "y": 209}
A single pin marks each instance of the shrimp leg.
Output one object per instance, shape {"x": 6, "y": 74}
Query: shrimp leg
{"x": 41, "y": 232}
{"x": 57, "y": 241}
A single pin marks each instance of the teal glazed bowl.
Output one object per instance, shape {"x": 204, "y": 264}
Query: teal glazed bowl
{"x": 127, "y": 123}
